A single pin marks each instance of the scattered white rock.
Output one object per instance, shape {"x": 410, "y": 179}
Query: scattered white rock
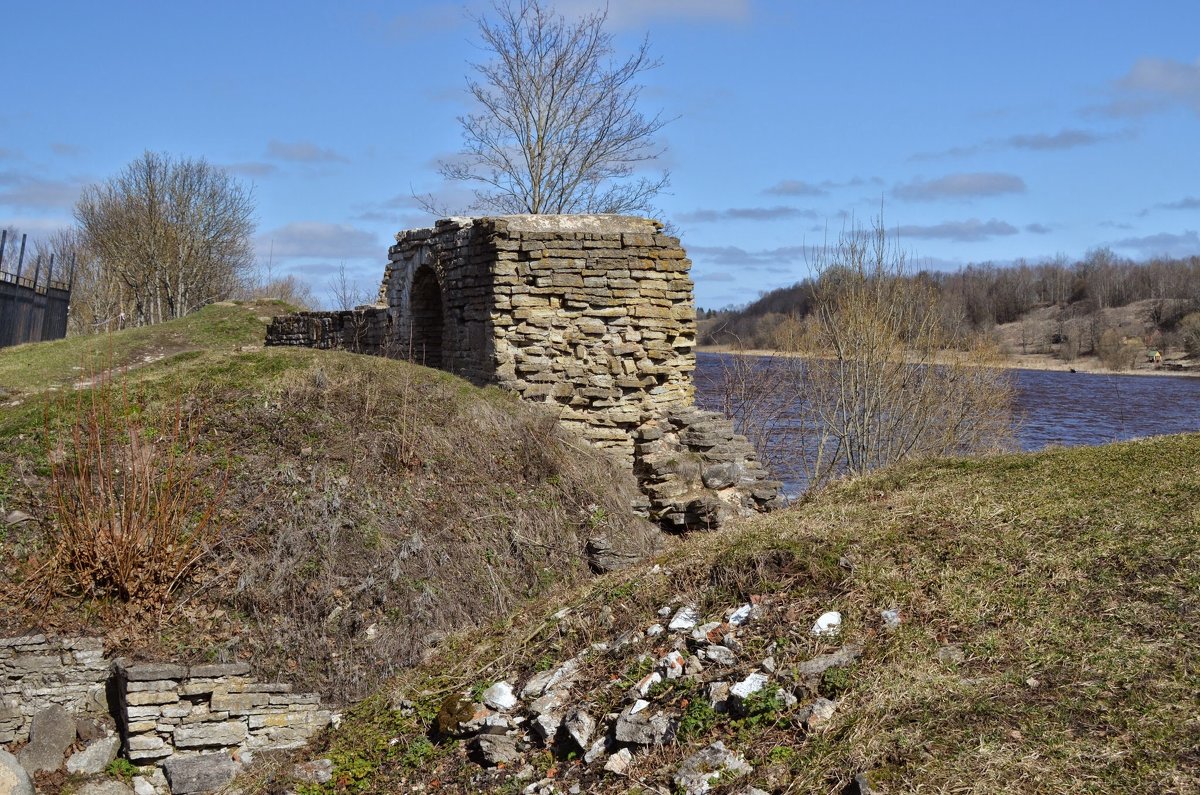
{"x": 741, "y": 615}
{"x": 580, "y": 726}
{"x": 672, "y": 665}
{"x": 721, "y": 655}
{"x": 648, "y": 681}
{"x": 561, "y": 614}
{"x": 751, "y": 684}
{"x": 701, "y": 632}
{"x": 704, "y": 769}
{"x": 891, "y": 619}
{"x": 619, "y": 762}
{"x": 500, "y": 697}
{"x": 819, "y": 712}
{"x": 718, "y": 695}
{"x": 638, "y": 706}
{"x": 693, "y": 666}
{"x": 598, "y": 749}
{"x": 142, "y": 786}
{"x": 664, "y": 611}
{"x": 768, "y": 665}
{"x": 829, "y": 623}
{"x": 684, "y": 619}
{"x": 654, "y": 629}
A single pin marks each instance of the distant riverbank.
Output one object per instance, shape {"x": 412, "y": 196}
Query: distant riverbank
{"x": 1032, "y": 361}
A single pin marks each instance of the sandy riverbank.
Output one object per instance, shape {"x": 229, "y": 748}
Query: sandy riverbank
{"x": 1032, "y": 361}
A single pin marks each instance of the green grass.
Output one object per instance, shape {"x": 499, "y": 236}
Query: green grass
{"x": 227, "y": 326}
{"x": 1069, "y": 580}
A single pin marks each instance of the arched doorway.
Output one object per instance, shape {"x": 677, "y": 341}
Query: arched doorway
{"x": 425, "y": 304}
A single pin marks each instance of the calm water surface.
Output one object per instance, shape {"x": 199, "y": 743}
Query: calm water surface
{"x": 1065, "y": 408}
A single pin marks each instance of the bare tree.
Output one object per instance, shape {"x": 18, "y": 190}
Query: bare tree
{"x": 882, "y": 377}
{"x": 558, "y": 130}
{"x": 175, "y": 233}
{"x": 344, "y": 293}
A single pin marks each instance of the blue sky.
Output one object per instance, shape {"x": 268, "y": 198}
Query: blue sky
{"x": 986, "y": 131}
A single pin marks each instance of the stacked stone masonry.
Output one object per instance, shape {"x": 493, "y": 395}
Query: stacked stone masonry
{"x": 170, "y": 716}
{"x": 589, "y": 315}
{"x": 37, "y": 672}
{"x": 172, "y": 710}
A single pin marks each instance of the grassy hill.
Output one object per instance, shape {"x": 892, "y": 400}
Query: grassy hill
{"x": 1047, "y": 641}
{"x": 325, "y": 515}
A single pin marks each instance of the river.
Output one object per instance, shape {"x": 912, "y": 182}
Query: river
{"x": 1062, "y": 408}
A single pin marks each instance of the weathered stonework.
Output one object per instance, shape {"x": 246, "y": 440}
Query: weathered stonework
{"x": 166, "y": 713}
{"x": 589, "y": 315}
{"x": 37, "y": 672}
{"x": 179, "y": 711}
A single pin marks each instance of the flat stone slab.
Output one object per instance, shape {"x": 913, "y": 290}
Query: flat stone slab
{"x": 196, "y": 774}
{"x": 149, "y": 672}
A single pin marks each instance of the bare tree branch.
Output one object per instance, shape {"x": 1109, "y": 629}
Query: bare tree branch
{"x": 559, "y": 130}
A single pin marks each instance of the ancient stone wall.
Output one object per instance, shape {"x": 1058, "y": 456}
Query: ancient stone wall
{"x": 169, "y": 710}
{"x": 589, "y": 315}
{"x": 185, "y": 725}
{"x": 37, "y": 672}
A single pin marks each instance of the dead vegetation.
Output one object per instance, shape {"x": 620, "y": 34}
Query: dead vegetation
{"x": 357, "y": 510}
{"x": 1046, "y": 607}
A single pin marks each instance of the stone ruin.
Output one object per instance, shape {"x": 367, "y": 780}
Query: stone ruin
{"x": 591, "y": 316}
{"x": 188, "y": 728}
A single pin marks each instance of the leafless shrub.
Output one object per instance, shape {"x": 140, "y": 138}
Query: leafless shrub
{"x": 131, "y": 514}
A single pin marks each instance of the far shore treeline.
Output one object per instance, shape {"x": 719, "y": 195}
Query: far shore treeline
{"x": 1074, "y": 304}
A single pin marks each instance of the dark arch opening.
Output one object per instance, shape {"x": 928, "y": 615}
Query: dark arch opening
{"x": 425, "y": 303}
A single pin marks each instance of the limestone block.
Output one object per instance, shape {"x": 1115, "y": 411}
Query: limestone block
{"x": 207, "y": 735}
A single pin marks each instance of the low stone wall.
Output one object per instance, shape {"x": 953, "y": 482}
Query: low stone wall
{"x": 189, "y": 727}
{"x": 362, "y": 330}
{"x": 37, "y": 672}
{"x": 180, "y": 710}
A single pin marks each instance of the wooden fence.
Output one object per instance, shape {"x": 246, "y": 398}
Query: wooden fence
{"x": 33, "y": 304}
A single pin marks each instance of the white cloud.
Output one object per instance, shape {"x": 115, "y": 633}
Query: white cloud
{"x": 795, "y": 187}
{"x": 960, "y": 186}
{"x": 759, "y": 259}
{"x": 29, "y": 192}
{"x": 321, "y": 239}
{"x": 746, "y": 214}
{"x": 970, "y": 231}
{"x": 302, "y": 152}
{"x": 1185, "y": 244}
{"x": 1154, "y": 84}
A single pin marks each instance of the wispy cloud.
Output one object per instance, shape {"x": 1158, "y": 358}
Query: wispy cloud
{"x": 1153, "y": 84}
{"x": 1184, "y": 244}
{"x": 960, "y": 186}
{"x": 799, "y": 187}
{"x": 970, "y": 231}
{"x": 767, "y": 259}
{"x": 29, "y": 192}
{"x": 302, "y": 152}
{"x": 320, "y": 239}
{"x": 746, "y": 214}
{"x": 1038, "y": 229}
{"x": 795, "y": 187}
{"x": 1186, "y": 203}
{"x": 66, "y": 150}
{"x": 1064, "y": 139}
